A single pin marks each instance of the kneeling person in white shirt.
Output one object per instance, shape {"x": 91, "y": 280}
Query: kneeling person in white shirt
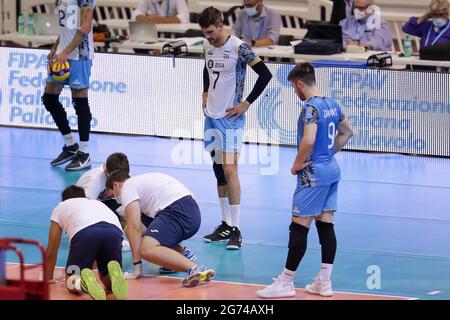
{"x": 176, "y": 217}
{"x": 95, "y": 234}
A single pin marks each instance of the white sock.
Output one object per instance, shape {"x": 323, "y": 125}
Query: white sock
{"x": 69, "y": 140}
{"x": 225, "y": 209}
{"x": 84, "y": 146}
{"x": 288, "y": 275}
{"x": 235, "y": 210}
{"x": 325, "y": 272}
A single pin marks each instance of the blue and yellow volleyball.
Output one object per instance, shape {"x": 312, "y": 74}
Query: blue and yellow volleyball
{"x": 60, "y": 71}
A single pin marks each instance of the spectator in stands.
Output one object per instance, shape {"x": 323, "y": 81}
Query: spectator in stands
{"x": 257, "y": 25}
{"x": 366, "y": 28}
{"x": 433, "y": 27}
{"x": 341, "y": 10}
{"x": 165, "y": 11}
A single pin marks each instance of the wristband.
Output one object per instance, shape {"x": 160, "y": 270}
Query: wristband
{"x": 137, "y": 263}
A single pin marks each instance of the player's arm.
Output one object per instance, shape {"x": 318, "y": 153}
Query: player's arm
{"x": 205, "y": 87}
{"x": 306, "y": 148}
{"x": 345, "y": 132}
{"x": 52, "y": 53}
{"x": 54, "y": 241}
{"x": 134, "y": 234}
{"x": 87, "y": 17}
{"x": 264, "y": 77}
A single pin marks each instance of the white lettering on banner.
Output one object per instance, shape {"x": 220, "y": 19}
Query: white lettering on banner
{"x": 389, "y": 110}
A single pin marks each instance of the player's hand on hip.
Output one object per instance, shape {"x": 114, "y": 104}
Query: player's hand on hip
{"x": 238, "y": 110}
{"x": 296, "y": 167}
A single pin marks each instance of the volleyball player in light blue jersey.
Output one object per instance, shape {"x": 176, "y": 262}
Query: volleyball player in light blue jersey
{"x": 322, "y": 132}
{"x": 75, "y": 45}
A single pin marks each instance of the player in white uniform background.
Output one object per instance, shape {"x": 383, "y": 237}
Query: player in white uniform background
{"x": 75, "y": 45}
{"x": 226, "y": 60}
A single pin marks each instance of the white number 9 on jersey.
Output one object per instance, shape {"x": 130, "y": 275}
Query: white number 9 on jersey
{"x": 331, "y": 134}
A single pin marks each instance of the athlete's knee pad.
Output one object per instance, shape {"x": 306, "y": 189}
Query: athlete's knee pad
{"x": 220, "y": 175}
{"x": 218, "y": 171}
{"x": 51, "y": 102}
{"x": 326, "y": 233}
{"x": 298, "y": 236}
{"x": 82, "y": 108}
{"x": 327, "y": 240}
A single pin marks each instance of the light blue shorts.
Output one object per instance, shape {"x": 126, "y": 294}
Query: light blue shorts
{"x": 224, "y": 134}
{"x": 312, "y": 201}
{"x": 80, "y": 73}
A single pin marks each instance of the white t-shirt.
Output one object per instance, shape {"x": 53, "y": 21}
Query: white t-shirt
{"x": 76, "y": 214}
{"x": 227, "y": 68}
{"x": 69, "y": 22}
{"x": 93, "y": 182}
{"x": 166, "y": 8}
{"x": 155, "y": 192}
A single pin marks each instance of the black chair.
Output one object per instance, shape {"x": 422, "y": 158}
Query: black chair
{"x": 192, "y": 33}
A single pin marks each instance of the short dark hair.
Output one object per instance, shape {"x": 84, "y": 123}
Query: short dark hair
{"x": 210, "y": 16}
{"x": 303, "y": 72}
{"x": 117, "y": 161}
{"x": 71, "y": 192}
{"x": 116, "y": 176}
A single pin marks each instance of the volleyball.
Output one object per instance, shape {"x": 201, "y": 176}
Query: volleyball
{"x": 59, "y": 71}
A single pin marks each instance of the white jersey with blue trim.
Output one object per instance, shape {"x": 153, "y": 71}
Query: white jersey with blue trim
{"x": 69, "y": 22}
{"x": 226, "y": 67}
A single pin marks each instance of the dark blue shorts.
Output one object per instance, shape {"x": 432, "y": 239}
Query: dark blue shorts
{"x": 178, "y": 222}
{"x": 101, "y": 242}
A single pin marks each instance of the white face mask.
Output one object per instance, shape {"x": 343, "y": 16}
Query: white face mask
{"x": 251, "y": 12}
{"x": 359, "y": 15}
{"x": 440, "y": 22}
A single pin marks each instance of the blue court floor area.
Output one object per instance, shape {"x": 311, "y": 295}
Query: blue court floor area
{"x": 393, "y": 218}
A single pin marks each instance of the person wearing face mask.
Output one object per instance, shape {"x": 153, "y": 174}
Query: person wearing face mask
{"x": 257, "y": 25}
{"x": 322, "y": 131}
{"x": 365, "y": 28}
{"x": 95, "y": 235}
{"x": 433, "y": 27}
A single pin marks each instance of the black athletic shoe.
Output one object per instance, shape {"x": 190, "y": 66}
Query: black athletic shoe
{"x": 235, "y": 242}
{"x": 221, "y": 233}
{"x": 67, "y": 154}
{"x": 80, "y": 162}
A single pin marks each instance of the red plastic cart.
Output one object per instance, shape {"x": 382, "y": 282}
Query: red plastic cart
{"x": 23, "y": 289}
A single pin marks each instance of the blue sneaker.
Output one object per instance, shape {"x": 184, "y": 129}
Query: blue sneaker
{"x": 187, "y": 253}
{"x": 198, "y": 275}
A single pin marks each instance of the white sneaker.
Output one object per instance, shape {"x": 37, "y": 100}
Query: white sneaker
{"x": 280, "y": 288}
{"x": 321, "y": 288}
{"x": 126, "y": 245}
